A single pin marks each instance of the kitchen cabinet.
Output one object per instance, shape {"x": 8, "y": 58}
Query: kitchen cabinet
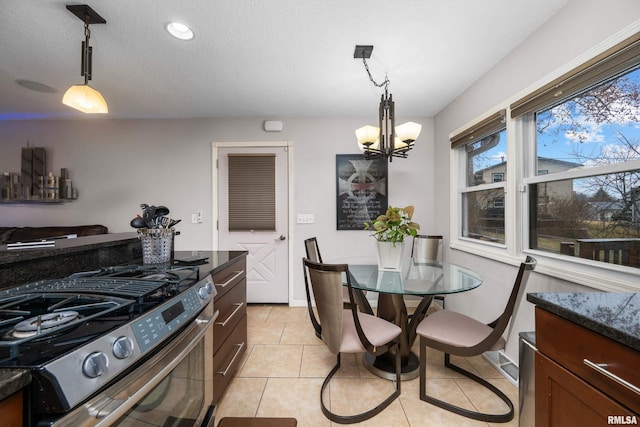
{"x": 11, "y": 410}
{"x": 581, "y": 376}
{"x": 230, "y": 328}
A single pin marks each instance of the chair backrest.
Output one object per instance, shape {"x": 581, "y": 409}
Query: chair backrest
{"x": 312, "y": 249}
{"x": 326, "y": 282}
{"x": 313, "y": 254}
{"x": 426, "y": 247}
{"x": 500, "y": 324}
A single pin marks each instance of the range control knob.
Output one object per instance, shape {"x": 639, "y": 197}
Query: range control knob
{"x": 202, "y": 292}
{"x": 209, "y": 287}
{"x": 122, "y": 347}
{"x": 95, "y": 364}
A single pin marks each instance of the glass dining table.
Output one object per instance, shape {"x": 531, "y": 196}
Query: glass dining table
{"x": 421, "y": 278}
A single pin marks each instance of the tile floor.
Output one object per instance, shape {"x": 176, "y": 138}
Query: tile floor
{"x": 285, "y": 365}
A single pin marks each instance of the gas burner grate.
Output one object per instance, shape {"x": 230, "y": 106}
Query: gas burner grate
{"x": 38, "y": 307}
{"x": 126, "y": 288}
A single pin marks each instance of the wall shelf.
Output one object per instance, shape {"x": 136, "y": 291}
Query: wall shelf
{"x": 36, "y": 201}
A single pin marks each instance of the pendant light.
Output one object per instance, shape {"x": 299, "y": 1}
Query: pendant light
{"x": 83, "y": 97}
{"x": 385, "y": 141}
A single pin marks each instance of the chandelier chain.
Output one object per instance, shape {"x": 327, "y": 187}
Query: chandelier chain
{"x": 386, "y": 81}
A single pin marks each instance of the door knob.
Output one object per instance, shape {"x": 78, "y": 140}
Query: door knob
{"x": 282, "y": 237}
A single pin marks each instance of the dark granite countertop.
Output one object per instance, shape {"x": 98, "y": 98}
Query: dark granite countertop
{"x": 215, "y": 259}
{"x": 614, "y": 315}
{"x": 65, "y": 246}
{"x": 12, "y": 381}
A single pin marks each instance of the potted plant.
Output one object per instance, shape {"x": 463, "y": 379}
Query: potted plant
{"x": 390, "y": 230}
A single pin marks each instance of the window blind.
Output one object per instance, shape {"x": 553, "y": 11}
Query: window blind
{"x": 616, "y": 60}
{"x": 252, "y": 192}
{"x": 491, "y": 124}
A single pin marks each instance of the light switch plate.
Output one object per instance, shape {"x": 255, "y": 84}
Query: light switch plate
{"x": 305, "y": 219}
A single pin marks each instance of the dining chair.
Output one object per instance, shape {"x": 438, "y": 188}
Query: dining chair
{"x": 348, "y": 330}
{"x": 313, "y": 254}
{"x": 460, "y": 335}
{"x": 428, "y": 247}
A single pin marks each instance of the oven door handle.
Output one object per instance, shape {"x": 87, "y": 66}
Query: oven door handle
{"x": 115, "y": 401}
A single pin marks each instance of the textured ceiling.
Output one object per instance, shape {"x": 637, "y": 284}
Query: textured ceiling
{"x": 258, "y": 58}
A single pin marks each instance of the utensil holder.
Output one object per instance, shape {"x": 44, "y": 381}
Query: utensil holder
{"x": 157, "y": 244}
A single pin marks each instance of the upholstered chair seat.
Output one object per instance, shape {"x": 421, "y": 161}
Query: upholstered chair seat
{"x": 458, "y": 330}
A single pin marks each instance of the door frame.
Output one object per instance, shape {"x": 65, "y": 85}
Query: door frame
{"x": 215, "y": 238}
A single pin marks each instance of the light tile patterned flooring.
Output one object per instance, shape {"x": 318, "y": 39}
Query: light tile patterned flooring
{"x": 285, "y": 364}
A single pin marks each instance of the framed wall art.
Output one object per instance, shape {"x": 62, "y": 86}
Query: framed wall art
{"x": 361, "y": 190}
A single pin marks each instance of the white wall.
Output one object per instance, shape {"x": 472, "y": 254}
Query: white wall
{"x": 576, "y": 29}
{"x": 118, "y": 164}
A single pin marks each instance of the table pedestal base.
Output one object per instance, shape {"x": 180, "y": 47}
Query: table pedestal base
{"x": 384, "y": 366}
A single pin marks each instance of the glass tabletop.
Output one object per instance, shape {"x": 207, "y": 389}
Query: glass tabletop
{"x": 415, "y": 278}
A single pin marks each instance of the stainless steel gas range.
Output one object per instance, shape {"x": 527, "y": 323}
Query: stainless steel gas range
{"x": 113, "y": 347}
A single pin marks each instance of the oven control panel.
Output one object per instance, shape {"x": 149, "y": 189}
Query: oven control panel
{"x": 152, "y": 329}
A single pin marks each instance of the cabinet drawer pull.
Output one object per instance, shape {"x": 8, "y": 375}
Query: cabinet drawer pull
{"x": 234, "y": 277}
{"x": 601, "y": 368}
{"x": 238, "y": 307}
{"x": 233, "y": 360}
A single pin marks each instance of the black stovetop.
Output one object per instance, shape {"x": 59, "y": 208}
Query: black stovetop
{"x": 43, "y": 320}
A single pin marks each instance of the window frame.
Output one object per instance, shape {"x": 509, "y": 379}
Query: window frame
{"x": 492, "y": 124}
{"x": 521, "y": 172}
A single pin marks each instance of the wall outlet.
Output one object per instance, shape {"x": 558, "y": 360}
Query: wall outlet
{"x": 305, "y": 219}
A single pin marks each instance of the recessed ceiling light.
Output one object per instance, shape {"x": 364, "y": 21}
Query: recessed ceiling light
{"x": 179, "y": 31}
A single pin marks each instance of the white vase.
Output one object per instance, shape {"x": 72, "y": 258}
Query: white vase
{"x": 390, "y": 255}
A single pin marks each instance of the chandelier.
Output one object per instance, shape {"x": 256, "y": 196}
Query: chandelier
{"x": 83, "y": 97}
{"x": 386, "y": 140}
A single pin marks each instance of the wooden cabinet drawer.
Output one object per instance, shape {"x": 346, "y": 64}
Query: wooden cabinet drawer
{"x": 564, "y": 400}
{"x": 574, "y": 346}
{"x": 228, "y": 358}
{"x": 232, "y": 307}
{"x": 227, "y": 278}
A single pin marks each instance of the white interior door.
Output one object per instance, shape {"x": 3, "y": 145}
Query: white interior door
{"x": 253, "y": 216}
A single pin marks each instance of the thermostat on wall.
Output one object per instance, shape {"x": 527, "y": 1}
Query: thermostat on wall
{"x": 273, "y": 126}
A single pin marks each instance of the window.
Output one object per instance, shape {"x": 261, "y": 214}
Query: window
{"x": 584, "y": 199}
{"x": 563, "y": 179}
{"x": 590, "y": 146}
{"x": 485, "y": 165}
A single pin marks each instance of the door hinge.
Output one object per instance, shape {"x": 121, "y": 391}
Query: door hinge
{"x": 217, "y": 225}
